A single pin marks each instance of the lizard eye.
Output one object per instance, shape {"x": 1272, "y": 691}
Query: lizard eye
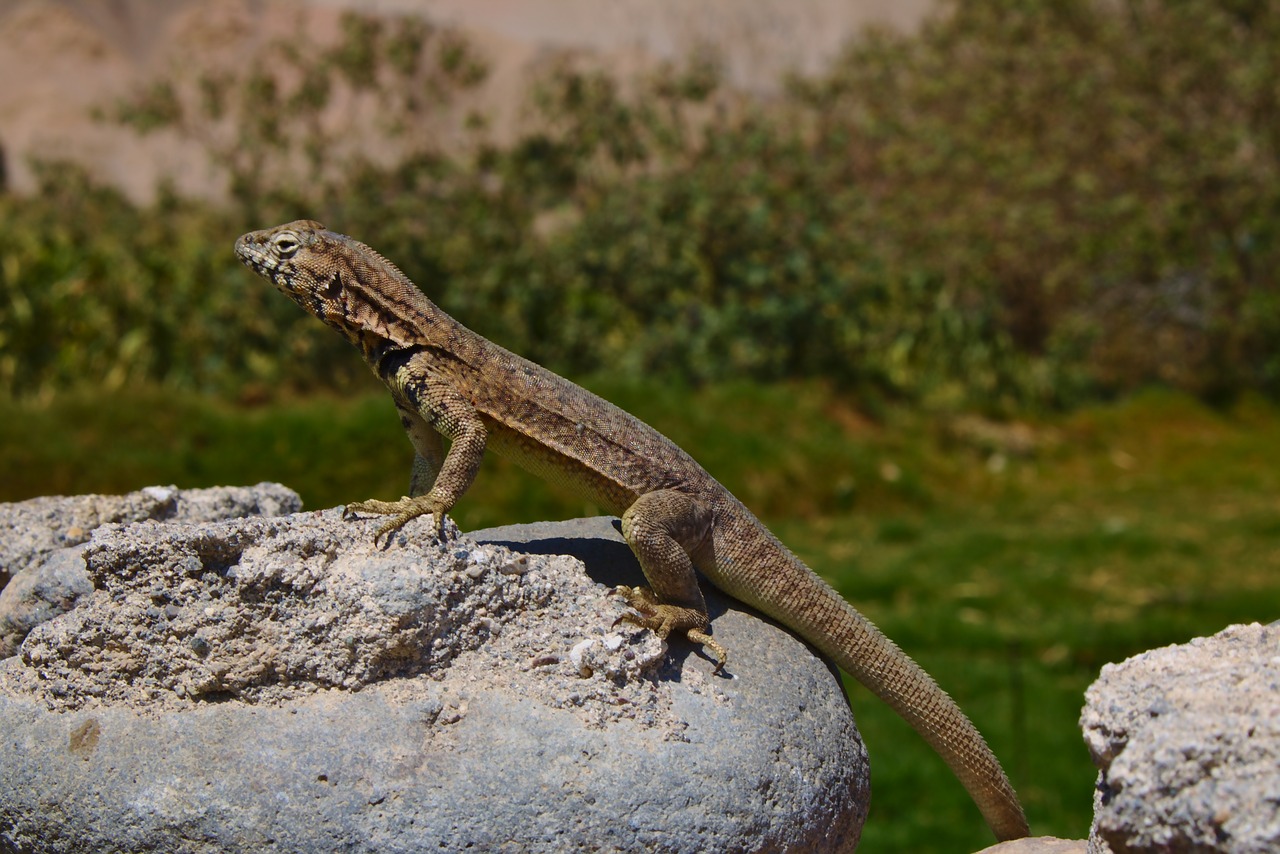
{"x": 285, "y": 245}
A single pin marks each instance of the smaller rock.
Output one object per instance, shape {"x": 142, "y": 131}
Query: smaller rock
{"x": 1187, "y": 743}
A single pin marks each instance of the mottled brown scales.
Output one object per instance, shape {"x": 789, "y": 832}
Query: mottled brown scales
{"x": 449, "y": 382}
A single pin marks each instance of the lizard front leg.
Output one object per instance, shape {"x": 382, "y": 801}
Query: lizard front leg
{"x": 670, "y": 533}
{"x": 430, "y": 408}
{"x": 428, "y": 450}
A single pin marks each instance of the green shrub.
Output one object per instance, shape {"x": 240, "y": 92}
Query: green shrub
{"x": 95, "y": 292}
{"x": 1020, "y": 205}
{"x": 1102, "y": 175}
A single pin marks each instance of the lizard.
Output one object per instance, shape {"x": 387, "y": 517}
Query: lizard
{"x": 450, "y": 383}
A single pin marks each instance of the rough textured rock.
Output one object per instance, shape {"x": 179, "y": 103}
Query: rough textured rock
{"x": 40, "y": 554}
{"x": 49, "y": 588}
{"x": 40, "y": 526}
{"x": 1187, "y": 742}
{"x": 280, "y": 684}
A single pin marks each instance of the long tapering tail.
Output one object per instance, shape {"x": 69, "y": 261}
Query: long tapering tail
{"x": 863, "y": 651}
{"x": 780, "y": 585}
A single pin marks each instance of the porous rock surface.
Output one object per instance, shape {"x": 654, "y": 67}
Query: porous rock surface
{"x": 1187, "y": 742}
{"x": 282, "y": 684}
{"x": 42, "y": 570}
{"x": 43, "y": 525}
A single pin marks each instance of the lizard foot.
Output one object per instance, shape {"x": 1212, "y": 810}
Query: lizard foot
{"x": 401, "y": 512}
{"x": 662, "y": 619}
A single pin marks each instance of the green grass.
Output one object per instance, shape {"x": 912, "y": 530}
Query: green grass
{"x": 1012, "y": 576}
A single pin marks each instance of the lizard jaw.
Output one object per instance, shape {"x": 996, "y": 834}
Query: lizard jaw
{"x": 254, "y": 256}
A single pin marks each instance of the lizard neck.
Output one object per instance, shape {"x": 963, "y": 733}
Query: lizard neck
{"x": 386, "y": 313}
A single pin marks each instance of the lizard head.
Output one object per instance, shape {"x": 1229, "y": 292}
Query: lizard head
{"x": 295, "y": 258}
{"x": 330, "y": 275}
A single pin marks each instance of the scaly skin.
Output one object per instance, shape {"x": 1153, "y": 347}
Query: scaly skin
{"x": 449, "y": 382}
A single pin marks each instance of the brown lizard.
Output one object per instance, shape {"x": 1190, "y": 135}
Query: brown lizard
{"x": 450, "y": 383}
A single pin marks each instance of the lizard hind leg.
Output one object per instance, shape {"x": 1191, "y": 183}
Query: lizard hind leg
{"x": 662, "y": 619}
{"x": 670, "y": 534}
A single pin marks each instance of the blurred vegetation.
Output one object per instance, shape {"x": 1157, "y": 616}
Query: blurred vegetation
{"x": 1011, "y": 559}
{"x": 1020, "y": 206}
{"x": 1101, "y": 177}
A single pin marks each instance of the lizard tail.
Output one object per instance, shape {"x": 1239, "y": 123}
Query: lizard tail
{"x": 862, "y": 650}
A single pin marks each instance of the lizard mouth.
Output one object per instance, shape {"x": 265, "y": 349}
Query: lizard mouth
{"x": 253, "y": 256}
{"x": 259, "y": 258}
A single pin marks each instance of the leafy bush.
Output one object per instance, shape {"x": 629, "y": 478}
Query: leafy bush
{"x": 1103, "y": 175}
{"x": 98, "y": 293}
{"x": 1022, "y": 204}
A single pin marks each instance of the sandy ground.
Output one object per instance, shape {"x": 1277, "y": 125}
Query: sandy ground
{"x": 62, "y": 59}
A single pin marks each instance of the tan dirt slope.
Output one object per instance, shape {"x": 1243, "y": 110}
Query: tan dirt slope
{"x": 59, "y": 59}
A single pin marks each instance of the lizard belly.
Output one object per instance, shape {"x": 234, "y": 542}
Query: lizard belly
{"x": 554, "y": 466}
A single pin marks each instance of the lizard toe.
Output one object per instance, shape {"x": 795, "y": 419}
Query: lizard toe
{"x": 401, "y": 512}
{"x": 662, "y": 619}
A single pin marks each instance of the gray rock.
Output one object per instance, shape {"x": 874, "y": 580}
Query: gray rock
{"x": 1187, "y": 743}
{"x": 41, "y": 549}
{"x": 282, "y": 685}
{"x": 51, "y": 587}
{"x": 39, "y": 526}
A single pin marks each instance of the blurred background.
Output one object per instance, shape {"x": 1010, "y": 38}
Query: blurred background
{"x": 975, "y": 303}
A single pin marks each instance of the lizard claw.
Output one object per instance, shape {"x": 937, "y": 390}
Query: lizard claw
{"x": 388, "y": 529}
{"x": 704, "y": 640}
{"x": 631, "y": 617}
{"x": 401, "y": 512}
{"x": 662, "y": 619}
